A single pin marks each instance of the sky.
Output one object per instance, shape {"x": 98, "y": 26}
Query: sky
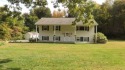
{"x": 50, "y": 5}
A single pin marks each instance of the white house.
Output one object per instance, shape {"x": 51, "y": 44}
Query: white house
{"x": 33, "y": 35}
{"x": 62, "y": 30}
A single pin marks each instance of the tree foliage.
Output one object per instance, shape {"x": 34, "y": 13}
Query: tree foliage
{"x": 101, "y": 38}
{"x": 58, "y": 14}
{"x": 110, "y": 17}
{"x": 81, "y": 9}
{"x": 5, "y": 32}
{"x": 12, "y": 24}
{"x": 41, "y": 12}
{"x": 29, "y": 21}
{"x": 28, "y": 3}
{"x": 34, "y": 15}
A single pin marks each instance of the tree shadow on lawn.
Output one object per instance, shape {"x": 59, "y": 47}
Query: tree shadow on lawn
{"x": 4, "y": 61}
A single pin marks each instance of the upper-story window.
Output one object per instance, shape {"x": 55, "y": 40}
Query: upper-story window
{"x": 45, "y": 28}
{"x": 87, "y": 28}
{"x": 82, "y": 28}
{"x": 57, "y": 28}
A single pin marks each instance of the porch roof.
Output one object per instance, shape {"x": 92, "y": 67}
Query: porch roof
{"x": 59, "y": 21}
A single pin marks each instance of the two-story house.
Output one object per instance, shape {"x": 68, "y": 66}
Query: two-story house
{"x": 62, "y": 30}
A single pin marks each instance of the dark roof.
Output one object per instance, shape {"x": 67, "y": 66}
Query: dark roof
{"x": 58, "y": 21}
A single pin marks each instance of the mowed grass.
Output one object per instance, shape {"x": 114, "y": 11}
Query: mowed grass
{"x": 49, "y": 56}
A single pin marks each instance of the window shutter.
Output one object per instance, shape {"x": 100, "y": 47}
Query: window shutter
{"x": 88, "y": 39}
{"x": 59, "y": 28}
{"x": 48, "y": 38}
{"x": 88, "y": 28}
{"x": 48, "y": 28}
{"x": 53, "y": 28}
{"x": 59, "y": 38}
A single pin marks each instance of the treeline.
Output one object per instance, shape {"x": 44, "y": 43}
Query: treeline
{"x": 110, "y": 16}
{"x": 14, "y": 24}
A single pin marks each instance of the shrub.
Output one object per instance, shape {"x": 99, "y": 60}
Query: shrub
{"x": 101, "y": 38}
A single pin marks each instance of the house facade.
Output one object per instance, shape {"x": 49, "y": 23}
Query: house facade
{"x": 62, "y": 30}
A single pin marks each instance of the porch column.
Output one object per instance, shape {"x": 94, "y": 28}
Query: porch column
{"x": 75, "y": 34}
{"x": 54, "y": 33}
{"x": 36, "y": 32}
{"x": 96, "y": 34}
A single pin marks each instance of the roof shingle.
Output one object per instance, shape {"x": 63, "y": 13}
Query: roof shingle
{"x": 58, "y": 21}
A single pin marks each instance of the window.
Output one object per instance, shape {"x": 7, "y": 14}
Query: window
{"x": 86, "y": 39}
{"x": 56, "y": 38}
{"x": 57, "y": 28}
{"x": 87, "y": 28}
{"x": 78, "y": 38}
{"x": 82, "y": 39}
{"x": 46, "y": 38}
{"x": 45, "y": 28}
{"x": 67, "y": 34}
{"x": 82, "y": 28}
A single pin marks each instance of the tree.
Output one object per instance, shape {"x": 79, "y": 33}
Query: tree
{"x": 41, "y": 12}
{"x": 28, "y": 3}
{"x": 110, "y": 17}
{"x": 82, "y": 8}
{"x": 34, "y": 15}
{"x": 29, "y": 21}
{"x": 102, "y": 16}
{"x": 12, "y": 24}
{"x": 58, "y": 14}
{"x": 5, "y": 31}
{"x": 118, "y": 22}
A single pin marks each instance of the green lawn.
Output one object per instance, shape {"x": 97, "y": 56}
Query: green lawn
{"x": 45, "y": 56}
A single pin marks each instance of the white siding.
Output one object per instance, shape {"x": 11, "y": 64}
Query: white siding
{"x": 89, "y": 34}
{"x": 66, "y": 29}
{"x": 30, "y": 35}
{"x": 27, "y": 36}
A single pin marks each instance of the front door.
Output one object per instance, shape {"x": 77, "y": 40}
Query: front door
{"x": 67, "y": 37}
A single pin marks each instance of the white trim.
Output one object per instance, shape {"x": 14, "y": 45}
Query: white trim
{"x": 36, "y": 32}
{"x": 96, "y": 35}
{"x": 54, "y": 34}
{"x": 75, "y": 34}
